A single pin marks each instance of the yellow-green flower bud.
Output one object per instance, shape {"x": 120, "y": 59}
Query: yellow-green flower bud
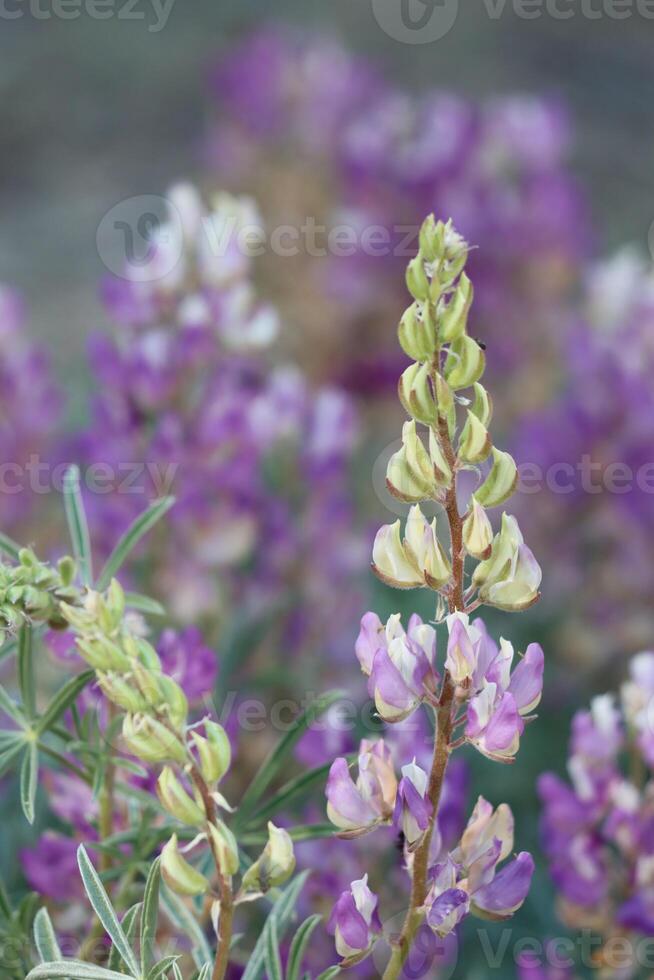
{"x": 416, "y": 278}
{"x": 453, "y": 318}
{"x": 147, "y": 683}
{"x": 442, "y": 470}
{"x": 148, "y": 739}
{"x": 500, "y": 482}
{"x": 416, "y": 394}
{"x": 275, "y": 864}
{"x": 390, "y": 562}
{"x": 173, "y": 700}
{"x": 410, "y": 474}
{"x": 115, "y": 602}
{"x": 214, "y": 750}
{"x": 417, "y": 332}
{"x": 67, "y": 570}
{"x": 477, "y": 532}
{"x": 175, "y": 799}
{"x": 179, "y": 875}
{"x": 102, "y": 653}
{"x": 474, "y": 443}
{"x": 482, "y": 405}
{"x": 422, "y": 547}
{"x": 465, "y": 363}
{"x": 121, "y": 692}
{"x": 431, "y": 238}
{"x": 225, "y": 848}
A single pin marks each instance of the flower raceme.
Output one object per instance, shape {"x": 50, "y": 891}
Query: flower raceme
{"x": 475, "y": 695}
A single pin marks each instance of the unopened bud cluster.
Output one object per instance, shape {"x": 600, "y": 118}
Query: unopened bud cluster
{"x": 32, "y": 591}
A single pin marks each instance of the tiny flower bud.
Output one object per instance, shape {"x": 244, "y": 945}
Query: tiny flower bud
{"x": 177, "y": 801}
{"x": 275, "y": 864}
{"x": 465, "y": 363}
{"x": 115, "y": 602}
{"x": 482, "y": 405}
{"x": 67, "y": 569}
{"x": 416, "y": 394}
{"x": 454, "y": 317}
{"x": 121, "y": 692}
{"x": 147, "y": 683}
{"x": 215, "y": 751}
{"x": 477, "y": 532}
{"x": 500, "y": 482}
{"x": 410, "y": 474}
{"x": 225, "y": 847}
{"x": 417, "y": 332}
{"x": 421, "y": 545}
{"x": 102, "y": 653}
{"x": 178, "y": 874}
{"x": 173, "y": 700}
{"x": 416, "y": 278}
{"x": 474, "y": 443}
{"x": 390, "y": 562}
{"x": 151, "y": 741}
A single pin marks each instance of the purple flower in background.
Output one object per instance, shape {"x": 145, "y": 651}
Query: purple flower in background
{"x": 189, "y": 661}
{"x": 51, "y": 869}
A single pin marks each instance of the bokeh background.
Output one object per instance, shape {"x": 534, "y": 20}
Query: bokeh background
{"x": 94, "y": 112}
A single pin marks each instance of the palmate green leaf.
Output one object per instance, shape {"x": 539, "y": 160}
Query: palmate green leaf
{"x": 137, "y": 529}
{"x": 104, "y": 909}
{"x": 128, "y": 922}
{"x": 275, "y": 761}
{"x": 29, "y": 773}
{"x": 75, "y": 969}
{"x": 188, "y": 924}
{"x": 63, "y": 699}
{"x": 149, "y": 916}
{"x": 9, "y": 707}
{"x": 299, "y": 945}
{"x": 272, "y": 958}
{"x": 77, "y": 524}
{"x": 26, "y": 681}
{"x": 45, "y": 937}
{"x": 282, "y": 912}
{"x": 9, "y": 546}
{"x": 144, "y": 604}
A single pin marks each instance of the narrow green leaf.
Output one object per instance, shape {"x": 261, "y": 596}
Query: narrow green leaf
{"x": 137, "y": 529}
{"x": 45, "y": 937}
{"x": 275, "y": 761}
{"x": 162, "y": 968}
{"x": 8, "y": 755}
{"x": 128, "y": 922}
{"x": 63, "y": 699}
{"x": 281, "y": 911}
{"x": 180, "y": 916}
{"x": 149, "y": 916}
{"x": 303, "y": 783}
{"x": 299, "y": 945}
{"x": 316, "y": 831}
{"x": 332, "y": 971}
{"x": 205, "y": 972}
{"x": 75, "y": 969}
{"x": 29, "y": 773}
{"x": 144, "y": 604}
{"x": 9, "y": 706}
{"x": 5, "y": 905}
{"x": 272, "y": 958}
{"x": 104, "y": 909}
{"x": 77, "y": 524}
{"x": 9, "y": 546}
{"x": 26, "y": 670}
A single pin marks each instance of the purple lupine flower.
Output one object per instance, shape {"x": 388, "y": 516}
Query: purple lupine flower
{"x": 413, "y": 808}
{"x": 355, "y": 921}
{"x": 506, "y": 892}
{"x": 357, "y": 808}
{"x": 447, "y": 905}
{"x": 71, "y": 800}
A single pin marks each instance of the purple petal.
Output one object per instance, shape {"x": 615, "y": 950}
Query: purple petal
{"x": 345, "y": 801}
{"x": 370, "y": 639}
{"x": 506, "y": 893}
{"x": 526, "y": 684}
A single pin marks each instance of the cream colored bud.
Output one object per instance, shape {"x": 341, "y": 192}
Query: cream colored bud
{"x": 422, "y": 547}
{"x": 148, "y": 739}
{"x": 500, "y": 482}
{"x": 225, "y": 847}
{"x": 121, "y": 692}
{"x": 453, "y": 318}
{"x": 417, "y": 332}
{"x": 482, "y": 405}
{"x": 173, "y": 700}
{"x": 511, "y": 576}
{"x": 410, "y": 474}
{"x": 177, "y": 801}
{"x": 416, "y": 278}
{"x": 389, "y": 560}
{"x": 441, "y": 467}
{"x": 477, "y": 532}
{"x": 179, "y": 875}
{"x": 275, "y": 865}
{"x": 215, "y": 751}
{"x": 416, "y": 394}
{"x": 465, "y": 363}
{"x": 474, "y": 443}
